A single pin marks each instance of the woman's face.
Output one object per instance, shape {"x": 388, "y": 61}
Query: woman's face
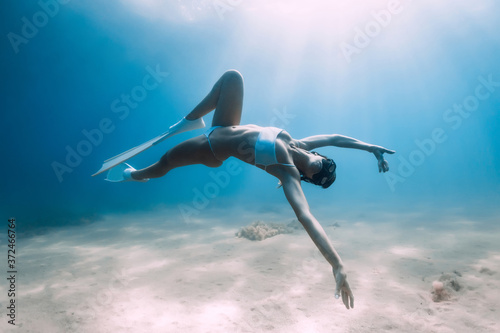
{"x": 314, "y": 165}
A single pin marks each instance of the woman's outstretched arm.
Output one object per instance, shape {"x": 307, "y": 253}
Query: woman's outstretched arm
{"x": 337, "y": 140}
{"x": 296, "y": 198}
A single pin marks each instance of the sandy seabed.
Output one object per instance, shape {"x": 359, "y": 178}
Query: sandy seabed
{"x": 137, "y": 274}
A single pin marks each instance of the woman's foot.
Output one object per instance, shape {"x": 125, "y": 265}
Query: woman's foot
{"x": 122, "y": 173}
{"x": 185, "y": 125}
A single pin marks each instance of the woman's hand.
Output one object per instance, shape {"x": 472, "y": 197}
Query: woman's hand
{"x": 342, "y": 288}
{"x": 378, "y": 151}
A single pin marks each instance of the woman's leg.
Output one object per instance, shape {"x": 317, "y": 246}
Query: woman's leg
{"x": 226, "y": 97}
{"x": 192, "y": 151}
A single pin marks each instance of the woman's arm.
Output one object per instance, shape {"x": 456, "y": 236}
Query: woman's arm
{"x": 296, "y": 198}
{"x": 337, "y": 140}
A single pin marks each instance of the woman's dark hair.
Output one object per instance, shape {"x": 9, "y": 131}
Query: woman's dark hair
{"x": 326, "y": 176}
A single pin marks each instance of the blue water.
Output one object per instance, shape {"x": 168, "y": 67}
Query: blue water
{"x": 385, "y": 74}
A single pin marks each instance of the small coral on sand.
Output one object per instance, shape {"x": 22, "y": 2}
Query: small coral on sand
{"x": 259, "y": 230}
{"x": 447, "y": 285}
{"x": 439, "y": 292}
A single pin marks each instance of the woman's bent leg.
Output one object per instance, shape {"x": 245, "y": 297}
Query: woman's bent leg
{"x": 192, "y": 151}
{"x": 226, "y": 97}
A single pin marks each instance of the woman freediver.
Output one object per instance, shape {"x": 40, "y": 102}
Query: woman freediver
{"x": 269, "y": 148}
